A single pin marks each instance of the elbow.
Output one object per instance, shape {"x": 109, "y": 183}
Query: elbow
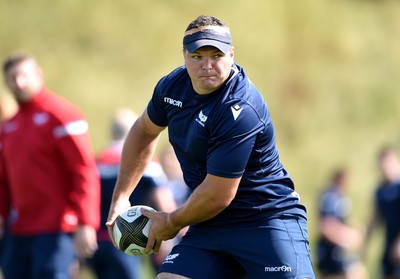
{"x": 218, "y": 204}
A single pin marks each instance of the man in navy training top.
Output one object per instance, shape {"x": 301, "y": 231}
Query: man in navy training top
{"x": 339, "y": 242}
{"x": 245, "y": 217}
{"x": 385, "y": 213}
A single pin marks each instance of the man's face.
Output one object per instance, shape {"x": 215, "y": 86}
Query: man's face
{"x": 208, "y": 68}
{"x": 390, "y": 166}
{"x": 24, "y": 80}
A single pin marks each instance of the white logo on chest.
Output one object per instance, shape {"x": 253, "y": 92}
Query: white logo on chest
{"x": 236, "y": 110}
{"x": 201, "y": 118}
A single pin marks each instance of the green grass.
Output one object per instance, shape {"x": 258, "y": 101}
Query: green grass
{"x": 329, "y": 71}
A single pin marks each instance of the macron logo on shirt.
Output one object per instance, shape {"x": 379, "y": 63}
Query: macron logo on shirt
{"x": 173, "y": 102}
{"x": 236, "y": 110}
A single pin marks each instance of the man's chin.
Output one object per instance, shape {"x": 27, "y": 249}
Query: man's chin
{"x": 23, "y": 98}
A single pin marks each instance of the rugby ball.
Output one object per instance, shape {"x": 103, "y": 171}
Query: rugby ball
{"x": 131, "y": 230}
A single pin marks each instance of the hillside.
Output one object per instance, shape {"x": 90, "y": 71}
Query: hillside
{"x": 329, "y": 71}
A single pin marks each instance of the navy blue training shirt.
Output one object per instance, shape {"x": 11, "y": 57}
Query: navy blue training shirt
{"x": 226, "y": 133}
{"x": 387, "y": 200}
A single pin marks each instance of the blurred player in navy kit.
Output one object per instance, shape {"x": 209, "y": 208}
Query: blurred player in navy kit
{"x": 386, "y": 211}
{"x": 339, "y": 242}
{"x": 172, "y": 170}
{"x": 244, "y": 215}
{"x": 108, "y": 262}
{"x": 49, "y": 183}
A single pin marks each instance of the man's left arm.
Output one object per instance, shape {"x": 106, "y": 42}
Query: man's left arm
{"x": 76, "y": 149}
{"x": 211, "y": 197}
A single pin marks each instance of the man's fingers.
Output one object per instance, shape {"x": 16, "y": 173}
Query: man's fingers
{"x": 146, "y": 212}
{"x": 115, "y": 209}
{"x": 150, "y": 244}
{"x": 111, "y": 219}
{"x": 111, "y": 235}
{"x": 157, "y": 246}
{"x": 110, "y": 228}
{"x": 153, "y": 242}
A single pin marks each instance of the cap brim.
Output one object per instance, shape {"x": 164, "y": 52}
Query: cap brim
{"x": 224, "y": 47}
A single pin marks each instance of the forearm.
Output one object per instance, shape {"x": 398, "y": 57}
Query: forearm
{"x": 195, "y": 210}
{"x": 207, "y": 201}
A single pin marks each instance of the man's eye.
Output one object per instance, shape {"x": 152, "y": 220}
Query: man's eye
{"x": 218, "y": 55}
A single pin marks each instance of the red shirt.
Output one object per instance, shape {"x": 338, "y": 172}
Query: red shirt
{"x": 48, "y": 175}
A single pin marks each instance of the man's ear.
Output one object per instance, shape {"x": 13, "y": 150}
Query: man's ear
{"x": 232, "y": 53}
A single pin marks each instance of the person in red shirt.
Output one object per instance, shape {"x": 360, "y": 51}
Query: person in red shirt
{"x": 8, "y": 107}
{"x": 49, "y": 183}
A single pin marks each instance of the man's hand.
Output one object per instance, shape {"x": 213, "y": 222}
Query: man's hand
{"x": 115, "y": 209}
{"x": 161, "y": 229}
{"x": 85, "y": 241}
{"x": 395, "y": 252}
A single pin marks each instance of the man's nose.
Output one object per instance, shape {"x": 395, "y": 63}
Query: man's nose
{"x": 207, "y": 64}
{"x": 20, "y": 81}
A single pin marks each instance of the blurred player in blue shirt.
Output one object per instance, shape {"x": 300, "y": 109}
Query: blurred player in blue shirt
{"x": 386, "y": 212}
{"x": 107, "y": 262}
{"x": 339, "y": 241}
{"x": 172, "y": 170}
{"x": 244, "y": 215}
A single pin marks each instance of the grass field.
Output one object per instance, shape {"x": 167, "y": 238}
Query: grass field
{"x": 329, "y": 71}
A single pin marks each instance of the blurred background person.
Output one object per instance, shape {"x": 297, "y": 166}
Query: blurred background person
{"x": 8, "y": 108}
{"x": 338, "y": 241}
{"x": 49, "y": 183}
{"x": 173, "y": 171}
{"x": 152, "y": 190}
{"x": 175, "y": 181}
{"x": 386, "y": 211}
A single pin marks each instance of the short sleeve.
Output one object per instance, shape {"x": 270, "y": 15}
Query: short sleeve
{"x": 156, "y": 108}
